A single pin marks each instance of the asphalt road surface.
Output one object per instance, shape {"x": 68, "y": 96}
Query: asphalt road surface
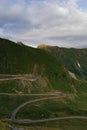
{"x": 27, "y": 121}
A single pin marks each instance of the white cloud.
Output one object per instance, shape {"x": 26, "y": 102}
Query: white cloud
{"x": 55, "y": 22}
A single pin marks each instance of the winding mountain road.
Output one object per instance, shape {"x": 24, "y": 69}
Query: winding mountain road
{"x": 31, "y": 77}
{"x": 27, "y": 77}
{"x": 24, "y": 121}
{"x": 24, "y": 94}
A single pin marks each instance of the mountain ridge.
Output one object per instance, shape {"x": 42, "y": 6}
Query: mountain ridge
{"x": 15, "y": 59}
{"x": 73, "y": 59}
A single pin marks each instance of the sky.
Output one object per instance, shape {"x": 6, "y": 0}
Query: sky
{"x": 54, "y": 22}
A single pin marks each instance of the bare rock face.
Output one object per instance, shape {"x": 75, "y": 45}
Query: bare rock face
{"x": 19, "y": 43}
{"x": 41, "y": 46}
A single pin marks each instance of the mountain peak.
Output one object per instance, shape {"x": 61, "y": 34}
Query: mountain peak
{"x": 41, "y": 46}
{"x": 20, "y": 43}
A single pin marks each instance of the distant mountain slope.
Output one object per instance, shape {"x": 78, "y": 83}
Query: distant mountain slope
{"x": 74, "y": 60}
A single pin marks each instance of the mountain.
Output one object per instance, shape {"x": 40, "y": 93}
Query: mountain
{"x": 74, "y": 60}
{"x": 19, "y": 59}
{"x": 53, "y": 78}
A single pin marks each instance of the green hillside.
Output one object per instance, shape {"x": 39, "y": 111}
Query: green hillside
{"x": 20, "y": 59}
{"x": 74, "y": 60}
{"x": 59, "y": 71}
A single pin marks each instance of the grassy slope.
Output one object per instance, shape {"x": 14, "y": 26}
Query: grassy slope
{"x": 71, "y": 58}
{"x": 56, "y": 125}
{"x": 16, "y": 59}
